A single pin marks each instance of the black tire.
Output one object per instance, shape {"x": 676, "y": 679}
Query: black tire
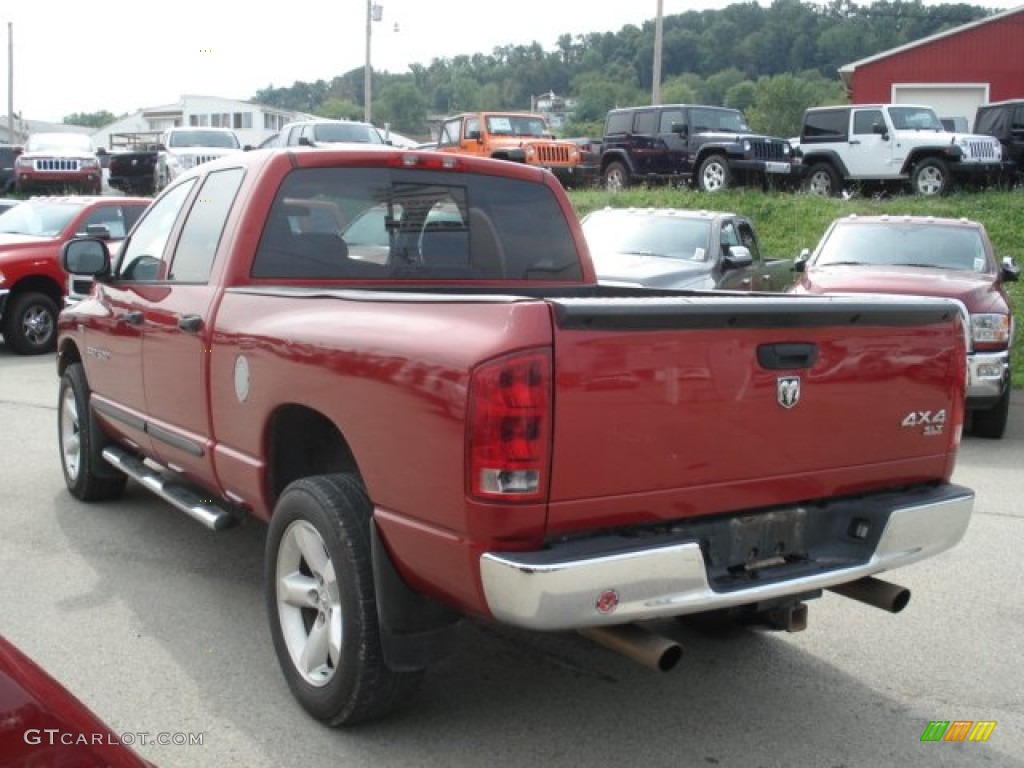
{"x": 822, "y": 180}
{"x": 86, "y": 474}
{"x": 319, "y": 532}
{"x": 30, "y": 323}
{"x": 713, "y": 174}
{"x": 930, "y": 177}
{"x": 616, "y": 176}
{"x": 991, "y": 422}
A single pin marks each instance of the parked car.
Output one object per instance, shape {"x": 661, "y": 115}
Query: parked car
{"x": 891, "y": 145}
{"x": 709, "y": 147}
{"x": 43, "y": 724}
{"x": 1004, "y": 120}
{"x": 8, "y": 154}
{"x": 464, "y": 422}
{"x": 322, "y": 131}
{"x": 929, "y": 256}
{"x": 520, "y": 137}
{"x": 32, "y": 283}
{"x": 673, "y": 248}
{"x": 58, "y": 162}
{"x": 184, "y": 148}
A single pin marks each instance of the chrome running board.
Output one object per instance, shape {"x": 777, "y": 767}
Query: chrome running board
{"x": 189, "y": 499}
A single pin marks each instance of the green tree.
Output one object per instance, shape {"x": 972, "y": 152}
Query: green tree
{"x": 403, "y": 107}
{"x": 90, "y": 119}
{"x": 718, "y": 84}
{"x": 781, "y": 101}
{"x": 741, "y": 96}
{"x": 679, "y": 90}
{"x": 340, "y": 109}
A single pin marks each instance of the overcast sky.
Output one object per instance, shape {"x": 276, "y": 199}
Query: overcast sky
{"x": 74, "y": 56}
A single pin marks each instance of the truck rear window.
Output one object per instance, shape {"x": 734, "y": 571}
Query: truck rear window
{"x": 391, "y": 224}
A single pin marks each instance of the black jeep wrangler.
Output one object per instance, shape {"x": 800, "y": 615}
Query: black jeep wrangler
{"x": 709, "y": 147}
{"x": 1004, "y": 120}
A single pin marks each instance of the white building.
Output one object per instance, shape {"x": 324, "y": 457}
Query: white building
{"x": 252, "y": 122}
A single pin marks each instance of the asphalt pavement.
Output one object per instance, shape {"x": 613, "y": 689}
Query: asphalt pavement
{"x": 159, "y": 626}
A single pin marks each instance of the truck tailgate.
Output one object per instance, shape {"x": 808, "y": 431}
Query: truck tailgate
{"x": 669, "y": 408}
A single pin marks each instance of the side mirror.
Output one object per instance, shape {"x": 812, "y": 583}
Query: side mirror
{"x": 800, "y": 262}
{"x": 679, "y": 128}
{"x": 85, "y": 256}
{"x": 247, "y": 147}
{"x": 1009, "y": 271}
{"x": 881, "y": 130}
{"x": 473, "y": 135}
{"x": 737, "y": 257}
{"x": 305, "y": 142}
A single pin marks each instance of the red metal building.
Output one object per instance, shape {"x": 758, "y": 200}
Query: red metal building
{"x": 954, "y": 71}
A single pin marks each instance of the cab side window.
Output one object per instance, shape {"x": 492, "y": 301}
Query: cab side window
{"x": 142, "y": 257}
{"x": 864, "y": 121}
{"x": 729, "y": 237}
{"x": 200, "y": 235}
{"x": 749, "y": 240}
{"x": 109, "y": 216}
{"x": 449, "y": 136}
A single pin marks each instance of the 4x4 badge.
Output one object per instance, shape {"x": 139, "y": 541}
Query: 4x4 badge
{"x": 788, "y": 391}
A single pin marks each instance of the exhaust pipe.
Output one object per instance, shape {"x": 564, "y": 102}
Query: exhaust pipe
{"x": 881, "y": 594}
{"x": 638, "y": 644}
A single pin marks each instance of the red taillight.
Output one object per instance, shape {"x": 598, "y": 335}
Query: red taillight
{"x": 509, "y": 427}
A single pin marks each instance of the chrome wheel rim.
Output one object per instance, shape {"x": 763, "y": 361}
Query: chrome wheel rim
{"x": 70, "y": 434}
{"x": 929, "y": 181}
{"x": 309, "y": 603}
{"x": 714, "y": 177}
{"x": 613, "y": 182}
{"x": 37, "y": 325}
{"x": 820, "y": 185}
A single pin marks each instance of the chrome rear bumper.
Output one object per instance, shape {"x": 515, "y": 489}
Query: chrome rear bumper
{"x": 554, "y": 590}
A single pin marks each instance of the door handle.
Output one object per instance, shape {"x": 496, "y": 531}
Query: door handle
{"x": 131, "y": 318}
{"x": 787, "y": 356}
{"x": 855, "y": 141}
{"x": 190, "y": 323}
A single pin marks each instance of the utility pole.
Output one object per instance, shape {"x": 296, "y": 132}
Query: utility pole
{"x": 374, "y": 13}
{"x": 10, "y": 82}
{"x": 656, "y": 74}
{"x": 367, "y": 74}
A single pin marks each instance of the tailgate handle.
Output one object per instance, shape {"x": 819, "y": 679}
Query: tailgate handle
{"x": 786, "y": 356}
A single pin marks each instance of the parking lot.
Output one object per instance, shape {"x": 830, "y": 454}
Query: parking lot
{"x": 159, "y": 626}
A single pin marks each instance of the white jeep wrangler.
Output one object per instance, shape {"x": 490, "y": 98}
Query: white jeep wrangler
{"x": 891, "y": 144}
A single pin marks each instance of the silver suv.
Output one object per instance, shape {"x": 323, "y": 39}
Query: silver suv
{"x": 891, "y": 144}
{"x": 315, "y": 133}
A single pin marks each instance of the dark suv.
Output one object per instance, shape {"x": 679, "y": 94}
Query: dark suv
{"x": 709, "y": 147}
{"x": 1004, "y": 120}
{"x": 8, "y": 154}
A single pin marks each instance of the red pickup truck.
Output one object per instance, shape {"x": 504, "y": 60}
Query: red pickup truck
{"x": 402, "y": 360}
{"x": 32, "y": 282}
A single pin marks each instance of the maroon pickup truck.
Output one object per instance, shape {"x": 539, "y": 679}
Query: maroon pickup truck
{"x": 404, "y": 363}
